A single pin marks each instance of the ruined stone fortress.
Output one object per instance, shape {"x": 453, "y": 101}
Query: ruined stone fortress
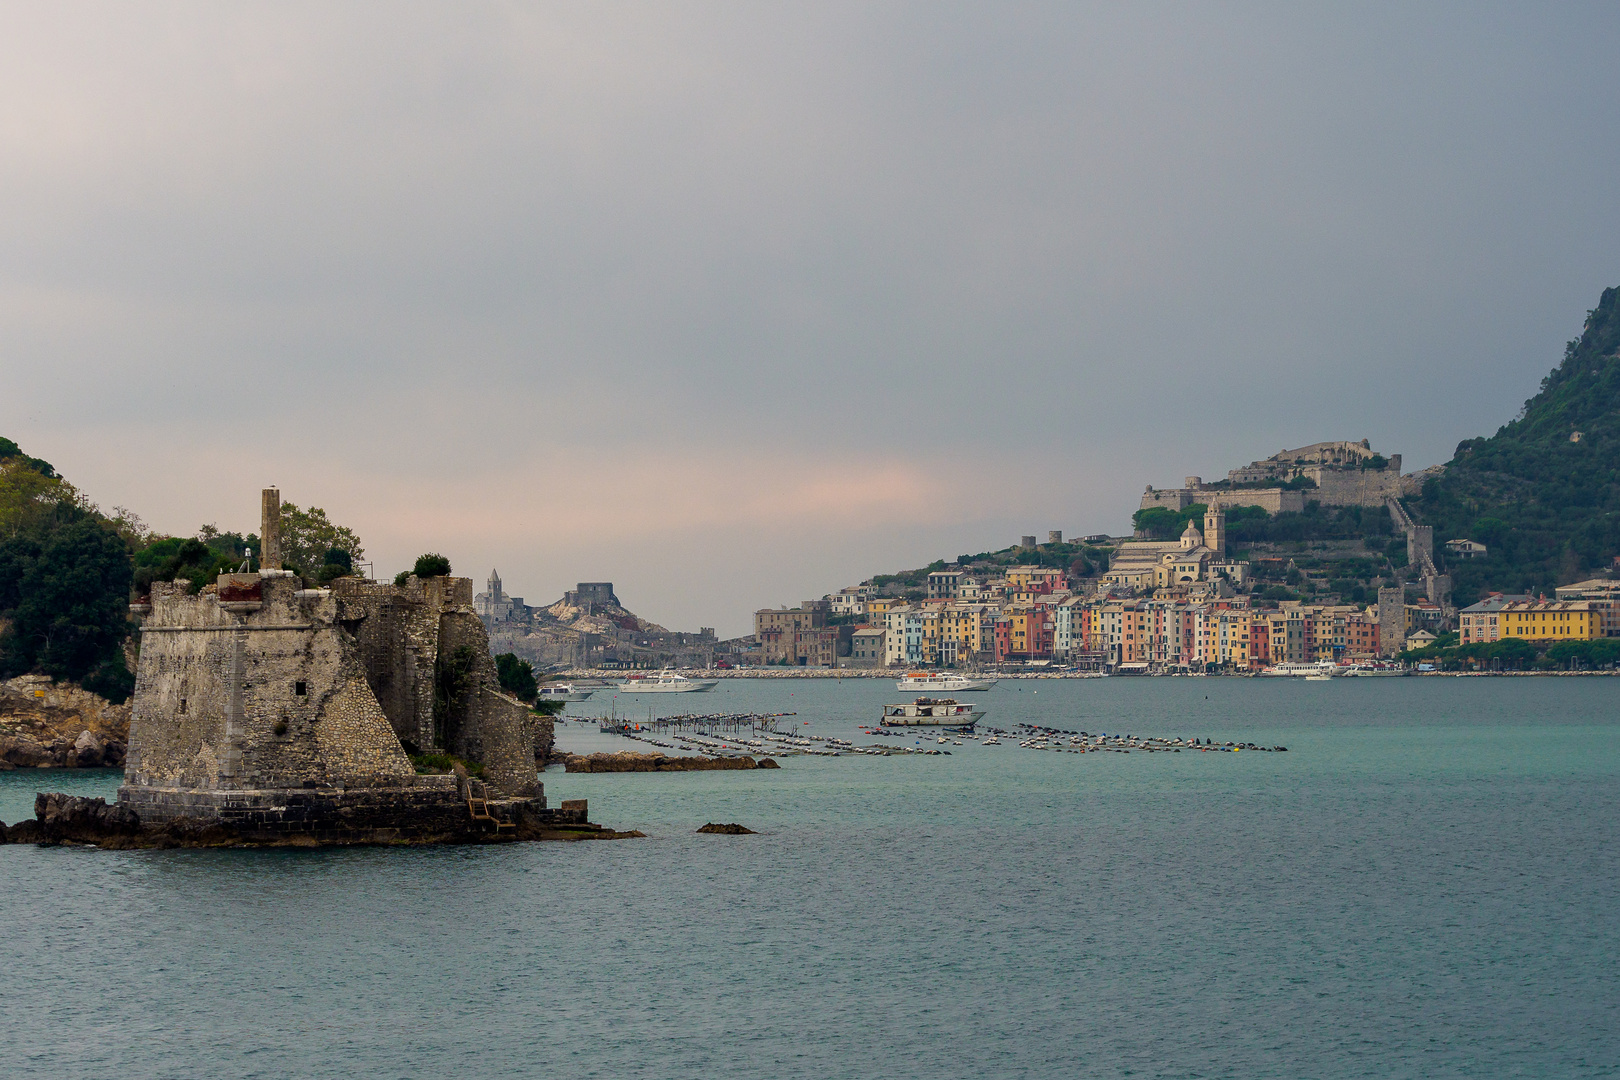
{"x": 1345, "y": 474}
{"x": 279, "y": 710}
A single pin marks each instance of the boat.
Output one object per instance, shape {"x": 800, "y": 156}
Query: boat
{"x": 665, "y": 682}
{"x": 1297, "y": 670}
{"x": 1319, "y": 676}
{"x": 931, "y": 712}
{"x": 1374, "y": 670}
{"x": 563, "y": 692}
{"x": 933, "y": 682}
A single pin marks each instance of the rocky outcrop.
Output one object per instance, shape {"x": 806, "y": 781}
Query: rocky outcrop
{"x": 72, "y": 819}
{"x": 732, "y": 829}
{"x": 627, "y": 761}
{"x": 45, "y": 724}
{"x": 545, "y": 739}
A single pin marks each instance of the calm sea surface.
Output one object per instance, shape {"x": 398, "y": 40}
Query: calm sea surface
{"x": 1426, "y": 884}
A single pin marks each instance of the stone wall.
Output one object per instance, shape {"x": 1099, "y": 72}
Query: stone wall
{"x": 258, "y": 685}
{"x": 485, "y": 724}
{"x": 1355, "y": 487}
{"x": 260, "y": 697}
{"x": 1271, "y": 500}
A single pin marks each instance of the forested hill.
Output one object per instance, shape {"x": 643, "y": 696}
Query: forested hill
{"x": 1543, "y": 492}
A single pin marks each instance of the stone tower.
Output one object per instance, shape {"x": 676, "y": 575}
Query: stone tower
{"x": 270, "y": 529}
{"x": 1215, "y": 530}
{"x": 1391, "y": 620}
{"x": 288, "y": 710}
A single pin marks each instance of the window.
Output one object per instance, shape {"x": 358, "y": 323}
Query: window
{"x": 300, "y": 688}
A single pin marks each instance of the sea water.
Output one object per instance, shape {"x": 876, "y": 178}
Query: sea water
{"x": 1426, "y": 884}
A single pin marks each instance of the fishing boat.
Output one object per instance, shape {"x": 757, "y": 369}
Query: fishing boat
{"x": 933, "y": 682}
{"x": 665, "y": 682}
{"x": 931, "y": 712}
{"x": 562, "y": 692}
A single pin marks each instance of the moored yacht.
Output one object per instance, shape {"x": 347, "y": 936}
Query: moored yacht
{"x": 1296, "y": 670}
{"x": 562, "y": 692}
{"x": 665, "y": 682}
{"x": 1375, "y": 670}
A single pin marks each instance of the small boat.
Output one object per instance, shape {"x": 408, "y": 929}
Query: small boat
{"x": 1319, "y": 676}
{"x": 562, "y": 692}
{"x": 931, "y": 712}
{"x": 665, "y": 682}
{"x": 933, "y": 682}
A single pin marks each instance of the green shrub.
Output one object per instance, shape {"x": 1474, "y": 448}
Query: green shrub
{"x": 432, "y": 565}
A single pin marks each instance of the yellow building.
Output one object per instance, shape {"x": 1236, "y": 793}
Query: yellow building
{"x": 1023, "y": 576}
{"x": 1551, "y": 620}
{"x": 879, "y": 606}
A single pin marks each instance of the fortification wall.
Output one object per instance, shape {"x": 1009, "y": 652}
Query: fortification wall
{"x": 265, "y": 698}
{"x": 1355, "y": 487}
{"x": 1271, "y": 500}
{"x": 485, "y": 724}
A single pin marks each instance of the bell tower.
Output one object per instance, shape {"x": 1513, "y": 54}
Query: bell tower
{"x": 1215, "y": 530}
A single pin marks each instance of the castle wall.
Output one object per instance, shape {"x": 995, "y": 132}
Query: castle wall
{"x": 257, "y": 697}
{"x": 397, "y": 630}
{"x": 1271, "y": 500}
{"x": 1166, "y": 498}
{"x": 1355, "y": 487}
{"x": 485, "y": 724}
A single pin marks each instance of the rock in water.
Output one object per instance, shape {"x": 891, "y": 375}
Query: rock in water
{"x": 732, "y": 829}
{"x": 81, "y": 820}
{"x": 89, "y": 750}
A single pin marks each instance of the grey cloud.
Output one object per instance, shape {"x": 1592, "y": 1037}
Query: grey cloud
{"x": 1058, "y": 250}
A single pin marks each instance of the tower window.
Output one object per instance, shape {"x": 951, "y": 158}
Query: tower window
{"x": 300, "y": 688}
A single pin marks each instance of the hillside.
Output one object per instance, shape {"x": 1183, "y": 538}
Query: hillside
{"x": 1542, "y": 492}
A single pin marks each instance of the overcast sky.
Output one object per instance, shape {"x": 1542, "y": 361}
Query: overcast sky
{"x": 735, "y": 304}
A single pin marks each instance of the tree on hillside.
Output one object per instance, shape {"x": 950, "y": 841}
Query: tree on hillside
{"x": 1546, "y": 486}
{"x": 28, "y": 496}
{"x": 517, "y": 677}
{"x": 307, "y": 535}
{"x": 64, "y": 591}
{"x": 10, "y": 451}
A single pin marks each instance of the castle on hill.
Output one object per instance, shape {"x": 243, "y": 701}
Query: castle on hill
{"x": 1331, "y": 473}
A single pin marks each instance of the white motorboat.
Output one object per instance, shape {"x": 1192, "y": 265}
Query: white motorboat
{"x": 933, "y": 682}
{"x": 665, "y": 682}
{"x": 931, "y": 712}
{"x": 1374, "y": 670}
{"x": 1296, "y": 670}
{"x": 562, "y": 692}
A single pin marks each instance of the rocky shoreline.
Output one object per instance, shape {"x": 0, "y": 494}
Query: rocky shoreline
{"x": 50, "y": 725}
{"x": 72, "y": 819}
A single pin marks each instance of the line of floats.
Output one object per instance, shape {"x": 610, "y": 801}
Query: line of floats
{"x": 754, "y": 734}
